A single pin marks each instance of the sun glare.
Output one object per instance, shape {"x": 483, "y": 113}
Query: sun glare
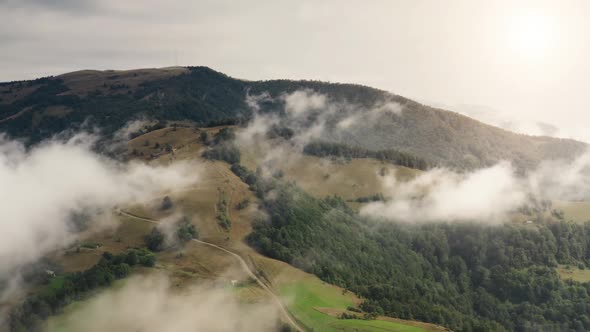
{"x": 532, "y": 35}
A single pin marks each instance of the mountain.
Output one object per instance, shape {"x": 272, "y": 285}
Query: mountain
{"x": 294, "y": 224}
{"x": 40, "y": 108}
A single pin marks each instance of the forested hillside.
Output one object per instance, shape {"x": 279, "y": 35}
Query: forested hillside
{"x": 41, "y": 108}
{"x": 466, "y": 276}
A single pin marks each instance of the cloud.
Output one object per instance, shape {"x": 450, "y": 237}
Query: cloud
{"x": 299, "y": 103}
{"x": 442, "y": 195}
{"x": 561, "y": 180}
{"x": 117, "y": 145}
{"x": 313, "y": 115}
{"x": 370, "y": 117}
{"x": 132, "y": 127}
{"x": 45, "y": 187}
{"x": 150, "y": 304}
{"x": 486, "y": 195}
{"x": 310, "y": 116}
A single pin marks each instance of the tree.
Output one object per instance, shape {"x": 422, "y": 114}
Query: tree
{"x": 227, "y": 152}
{"x": 224, "y": 135}
{"x": 131, "y": 258}
{"x": 148, "y": 260}
{"x": 186, "y": 231}
{"x": 154, "y": 240}
{"x": 204, "y": 136}
{"x": 243, "y": 204}
{"x": 166, "y": 203}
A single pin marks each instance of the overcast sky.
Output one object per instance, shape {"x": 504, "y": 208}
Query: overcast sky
{"x": 519, "y": 64}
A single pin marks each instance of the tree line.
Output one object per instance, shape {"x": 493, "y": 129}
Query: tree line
{"x": 327, "y": 149}
{"x": 465, "y": 276}
{"x": 64, "y": 289}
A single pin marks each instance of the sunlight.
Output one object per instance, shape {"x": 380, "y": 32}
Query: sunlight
{"x": 532, "y": 35}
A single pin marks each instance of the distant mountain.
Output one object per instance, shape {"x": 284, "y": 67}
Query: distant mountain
{"x": 40, "y": 108}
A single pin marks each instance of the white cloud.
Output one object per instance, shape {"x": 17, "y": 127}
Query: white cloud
{"x": 150, "y": 304}
{"x": 42, "y": 187}
{"x": 313, "y": 115}
{"x": 130, "y": 128}
{"x": 300, "y": 102}
{"x": 485, "y": 195}
{"x": 442, "y": 195}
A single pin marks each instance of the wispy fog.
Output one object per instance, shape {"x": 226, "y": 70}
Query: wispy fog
{"x": 52, "y": 191}
{"x": 152, "y": 304}
{"x": 309, "y": 116}
{"x": 485, "y": 195}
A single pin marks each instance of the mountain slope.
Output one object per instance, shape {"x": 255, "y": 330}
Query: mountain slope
{"x": 108, "y": 99}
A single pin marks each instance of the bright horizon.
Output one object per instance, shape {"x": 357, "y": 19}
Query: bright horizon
{"x": 518, "y": 65}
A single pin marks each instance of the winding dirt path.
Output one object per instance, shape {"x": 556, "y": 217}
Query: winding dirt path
{"x": 244, "y": 266}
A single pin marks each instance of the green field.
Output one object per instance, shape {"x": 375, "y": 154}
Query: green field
{"x": 573, "y": 273}
{"x": 372, "y": 325}
{"x": 308, "y": 294}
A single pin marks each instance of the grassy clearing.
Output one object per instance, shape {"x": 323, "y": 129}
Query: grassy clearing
{"x": 372, "y": 325}
{"x": 303, "y": 296}
{"x": 574, "y": 273}
{"x": 576, "y": 211}
{"x": 322, "y": 177}
{"x": 55, "y": 284}
{"x": 309, "y": 294}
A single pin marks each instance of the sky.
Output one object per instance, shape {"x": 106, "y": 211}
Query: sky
{"x": 521, "y": 65}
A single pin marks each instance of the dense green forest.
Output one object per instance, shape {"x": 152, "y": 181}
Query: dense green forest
{"x": 466, "y": 276}
{"x": 61, "y": 290}
{"x": 325, "y": 149}
{"x": 39, "y": 109}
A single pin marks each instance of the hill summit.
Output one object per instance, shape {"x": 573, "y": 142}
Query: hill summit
{"x": 38, "y": 109}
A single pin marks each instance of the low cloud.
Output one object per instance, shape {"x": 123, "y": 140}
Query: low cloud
{"x": 301, "y": 102}
{"x": 442, "y": 195}
{"x": 313, "y": 115}
{"x": 151, "y": 304}
{"x": 46, "y": 187}
{"x": 130, "y": 128}
{"x": 310, "y": 116}
{"x": 486, "y": 195}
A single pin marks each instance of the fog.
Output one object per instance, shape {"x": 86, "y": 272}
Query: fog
{"x": 486, "y": 196}
{"x": 442, "y": 195}
{"x": 152, "y": 304}
{"x": 45, "y": 187}
{"x": 311, "y": 116}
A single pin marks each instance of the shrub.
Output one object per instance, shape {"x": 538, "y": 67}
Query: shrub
{"x": 154, "y": 240}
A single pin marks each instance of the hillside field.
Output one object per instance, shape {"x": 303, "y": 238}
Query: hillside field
{"x": 303, "y": 293}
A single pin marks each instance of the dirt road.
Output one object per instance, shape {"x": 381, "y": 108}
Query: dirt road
{"x": 244, "y": 266}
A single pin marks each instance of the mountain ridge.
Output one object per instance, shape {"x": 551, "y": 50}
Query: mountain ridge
{"x": 38, "y": 109}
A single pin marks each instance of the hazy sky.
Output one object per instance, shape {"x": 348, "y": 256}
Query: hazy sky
{"x": 510, "y": 63}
